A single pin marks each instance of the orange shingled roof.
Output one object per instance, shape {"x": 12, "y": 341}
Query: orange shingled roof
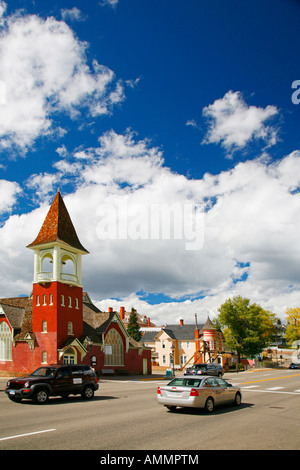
{"x": 58, "y": 226}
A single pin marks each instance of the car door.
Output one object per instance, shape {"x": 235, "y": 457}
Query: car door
{"x": 226, "y": 391}
{"x": 78, "y": 377}
{"x": 62, "y": 382}
{"x": 214, "y": 390}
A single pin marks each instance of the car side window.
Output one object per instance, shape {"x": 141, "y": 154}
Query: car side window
{"x": 210, "y": 382}
{"x": 221, "y": 382}
{"x": 64, "y": 373}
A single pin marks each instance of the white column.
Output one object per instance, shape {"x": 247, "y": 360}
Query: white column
{"x": 56, "y": 263}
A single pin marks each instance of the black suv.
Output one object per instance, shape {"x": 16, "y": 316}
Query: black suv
{"x": 54, "y": 380}
{"x": 205, "y": 369}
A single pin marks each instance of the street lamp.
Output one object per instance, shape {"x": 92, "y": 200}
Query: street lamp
{"x": 173, "y": 358}
{"x": 90, "y": 343}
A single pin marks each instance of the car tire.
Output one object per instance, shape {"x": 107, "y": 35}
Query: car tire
{"x": 41, "y": 396}
{"x": 88, "y": 392}
{"x": 238, "y": 399}
{"x": 209, "y": 405}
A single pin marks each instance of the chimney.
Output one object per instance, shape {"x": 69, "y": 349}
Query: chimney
{"x": 122, "y": 313}
{"x": 197, "y": 335}
{"x": 148, "y": 321}
{"x": 181, "y": 322}
{"x": 110, "y": 309}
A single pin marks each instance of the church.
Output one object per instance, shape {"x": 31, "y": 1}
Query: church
{"x": 58, "y": 322}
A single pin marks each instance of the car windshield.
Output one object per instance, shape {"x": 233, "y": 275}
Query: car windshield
{"x": 199, "y": 366}
{"x": 44, "y": 372}
{"x": 183, "y": 382}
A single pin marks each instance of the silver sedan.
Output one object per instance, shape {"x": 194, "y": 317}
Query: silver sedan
{"x": 201, "y": 392}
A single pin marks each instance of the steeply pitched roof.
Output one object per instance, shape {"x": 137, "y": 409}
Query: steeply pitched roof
{"x": 181, "y": 332}
{"x": 14, "y": 314}
{"x": 58, "y": 226}
{"x": 208, "y": 325}
{"x": 18, "y": 311}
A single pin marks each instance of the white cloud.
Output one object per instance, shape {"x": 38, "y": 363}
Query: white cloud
{"x": 110, "y": 3}
{"x": 45, "y": 71}
{"x": 73, "y": 14}
{"x": 233, "y": 123}
{"x": 251, "y": 230}
{"x": 3, "y": 7}
{"x": 43, "y": 184}
{"x": 8, "y": 195}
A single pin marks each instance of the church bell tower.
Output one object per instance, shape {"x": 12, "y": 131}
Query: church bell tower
{"x": 57, "y": 285}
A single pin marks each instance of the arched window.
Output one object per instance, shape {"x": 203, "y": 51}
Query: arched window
{"x": 44, "y": 326}
{"x": 5, "y": 342}
{"x": 68, "y": 268}
{"x": 44, "y": 357}
{"x": 47, "y": 265}
{"x": 67, "y": 265}
{"x": 114, "y": 349}
{"x": 70, "y": 328}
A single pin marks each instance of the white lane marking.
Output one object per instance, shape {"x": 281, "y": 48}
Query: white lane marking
{"x": 27, "y": 434}
{"x": 275, "y": 388}
{"x": 274, "y": 391}
{"x": 251, "y": 386}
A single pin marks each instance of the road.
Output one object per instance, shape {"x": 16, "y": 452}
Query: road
{"x": 124, "y": 415}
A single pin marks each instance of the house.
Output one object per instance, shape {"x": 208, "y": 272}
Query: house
{"x": 58, "y": 322}
{"x": 181, "y": 344}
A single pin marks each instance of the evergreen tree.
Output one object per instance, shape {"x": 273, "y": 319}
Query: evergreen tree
{"x": 133, "y": 327}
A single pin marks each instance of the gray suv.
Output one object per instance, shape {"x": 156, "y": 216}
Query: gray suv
{"x": 205, "y": 369}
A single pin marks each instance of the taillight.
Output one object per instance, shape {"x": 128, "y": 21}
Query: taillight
{"x": 194, "y": 392}
{"x": 158, "y": 391}
{"x": 96, "y": 380}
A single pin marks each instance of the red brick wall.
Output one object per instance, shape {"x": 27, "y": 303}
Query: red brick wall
{"x": 56, "y": 315}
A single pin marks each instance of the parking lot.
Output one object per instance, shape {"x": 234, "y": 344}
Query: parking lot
{"x": 124, "y": 415}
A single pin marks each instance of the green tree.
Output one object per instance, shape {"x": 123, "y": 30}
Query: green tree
{"x": 247, "y": 328}
{"x": 293, "y": 325}
{"x": 133, "y": 327}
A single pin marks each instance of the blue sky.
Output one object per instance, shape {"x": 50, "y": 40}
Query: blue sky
{"x": 165, "y": 102}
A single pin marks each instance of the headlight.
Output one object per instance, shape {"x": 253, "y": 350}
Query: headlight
{"x": 26, "y": 384}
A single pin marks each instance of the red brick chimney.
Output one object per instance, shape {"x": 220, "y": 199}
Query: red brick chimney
{"x": 148, "y": 321}
{"x": 122, "y": 313}
{"x": 110, "y": 309}
{"x": 181, "y": 322}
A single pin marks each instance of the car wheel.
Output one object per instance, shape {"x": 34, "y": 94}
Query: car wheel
{"x": 209, "y": 405}
{"x": 41, "y": 396}
{"x": 238, "y": 399}
{"x": 87, "y": 393}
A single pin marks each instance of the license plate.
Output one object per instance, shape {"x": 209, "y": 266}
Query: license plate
{"x": 12, "y": 392}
